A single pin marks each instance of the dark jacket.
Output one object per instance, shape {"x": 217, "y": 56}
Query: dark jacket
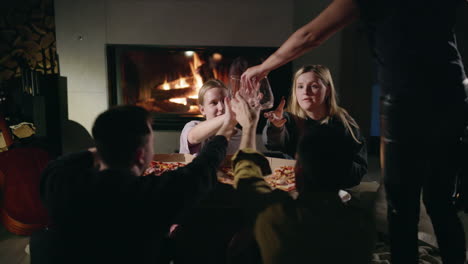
{"x": 285, "y": 139}
{"x": 316, "y": 228}
{"x": 113, "y": 216}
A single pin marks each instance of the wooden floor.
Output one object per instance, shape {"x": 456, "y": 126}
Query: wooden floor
{"x": 12, "y": 248}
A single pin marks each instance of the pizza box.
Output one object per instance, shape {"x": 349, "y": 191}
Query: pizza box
{"x": 277, "y": 162}
{"x": 227, "y": 162}
{"x": 173, "y": 157}
{"x": 225, "y": 174}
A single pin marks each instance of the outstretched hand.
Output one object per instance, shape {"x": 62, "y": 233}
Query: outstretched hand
{"x": 229, "y": 115}
{"x": 247, "y": 113}
{"x": 276, "y": 116}
{"x": 229, "y": 121}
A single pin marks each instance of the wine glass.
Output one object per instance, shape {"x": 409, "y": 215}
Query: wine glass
{"x": 261, "y": 92}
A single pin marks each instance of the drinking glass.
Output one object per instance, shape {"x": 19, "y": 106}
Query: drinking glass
{"x": 261, "y": 92}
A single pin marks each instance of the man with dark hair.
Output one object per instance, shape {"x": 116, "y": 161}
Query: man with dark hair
{"x": 103, "y": 210}
{"x": 318, "y": 227}
{"x": 125, "y": 122}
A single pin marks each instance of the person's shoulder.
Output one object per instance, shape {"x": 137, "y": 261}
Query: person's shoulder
{"x": 336, "y": 122}
{"x": 288, "y": 115}
{"x": 291, "y": 119}
{"x": 192, "y": 123}
{"x": 280, "y": 207}
{"x": 188, "y": 127}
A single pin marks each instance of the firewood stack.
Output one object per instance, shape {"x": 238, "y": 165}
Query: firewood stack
{"x": 28, "y": 31}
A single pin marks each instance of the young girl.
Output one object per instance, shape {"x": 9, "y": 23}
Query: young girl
{"x": 314, "y": 102}
{"x": 211, "y": 103}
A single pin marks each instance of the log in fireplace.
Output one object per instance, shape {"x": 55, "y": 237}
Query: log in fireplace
{"x": 166, "y": 80}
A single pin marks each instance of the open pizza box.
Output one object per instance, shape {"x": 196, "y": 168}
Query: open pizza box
{"x": 182, "y": 158}
{"x": 278, "y": 166}
{"x": 275, "y": 163}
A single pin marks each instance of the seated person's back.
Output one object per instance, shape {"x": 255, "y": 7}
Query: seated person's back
{"x": 318, "y": 226}
{"x": 109, "y": 213}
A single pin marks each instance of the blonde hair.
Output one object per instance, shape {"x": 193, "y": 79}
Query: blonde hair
{"x": 212, "y": 83}
{"x": 331, "y": 100}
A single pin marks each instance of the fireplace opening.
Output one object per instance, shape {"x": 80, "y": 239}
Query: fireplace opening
{"x": 166, "y": 80}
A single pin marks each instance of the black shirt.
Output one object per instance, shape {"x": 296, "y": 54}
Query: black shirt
{"x": 113, "y": 216}
{"x": 286, "y": 138}
{"x": 415, "y": 49}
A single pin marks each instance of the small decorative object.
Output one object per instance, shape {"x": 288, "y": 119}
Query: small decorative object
{"x": 23, "y": 130}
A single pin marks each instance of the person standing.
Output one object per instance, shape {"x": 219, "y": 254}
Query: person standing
{"x": 423, "y": 108}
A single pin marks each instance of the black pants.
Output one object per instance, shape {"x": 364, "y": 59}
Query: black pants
{"x": 420, "y": 154}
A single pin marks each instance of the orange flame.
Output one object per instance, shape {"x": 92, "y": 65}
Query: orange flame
{"x": 193, "y": 81}
{"x": 194, "y": 65}
{"x": 165, "y": 85}
{"x": 179, "y": 100}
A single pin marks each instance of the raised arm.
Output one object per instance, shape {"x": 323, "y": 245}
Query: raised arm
{"x": 181, "y": 189}
{"x": 247, "y": 116}
{"x": 336, "y": 16}
{"x": 250, "y": 166}
{"x": 204, "y": 130}
{"x": 282, "y": 139}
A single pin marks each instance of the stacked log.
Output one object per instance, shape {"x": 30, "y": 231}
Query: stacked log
{"x": 163, "y": 106}
{"x": 28, "y": 32}
{"x": 158, "y": 94}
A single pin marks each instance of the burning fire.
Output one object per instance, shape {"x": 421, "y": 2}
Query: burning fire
{"x": 166, "y": 86}
{"x": 181, "y": 95}
{"x": 195, "y": 81}
{"x": 179, "y": 100}
{"x": 194, "y": 65}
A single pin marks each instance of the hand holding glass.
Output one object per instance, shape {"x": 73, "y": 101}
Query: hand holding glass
{"x": 261, "y": 93}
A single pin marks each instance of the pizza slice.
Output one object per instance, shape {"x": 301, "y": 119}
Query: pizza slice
{"x": 283, "y": 178}
{"x": 158, "y": 167}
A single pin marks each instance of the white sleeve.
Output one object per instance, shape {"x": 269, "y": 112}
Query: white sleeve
{"x": 184, "y": 144}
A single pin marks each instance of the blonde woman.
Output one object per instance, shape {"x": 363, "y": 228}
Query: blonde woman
{"x": 211, "y": 103}
{"x": 313, "y": 103}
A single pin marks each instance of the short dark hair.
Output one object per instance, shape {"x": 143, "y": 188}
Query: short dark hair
{"x": 325, "y": 155}
{"x": 119, "y": 132}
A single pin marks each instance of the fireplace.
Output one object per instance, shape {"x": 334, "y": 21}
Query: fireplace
{"x": 166, "y": 80}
